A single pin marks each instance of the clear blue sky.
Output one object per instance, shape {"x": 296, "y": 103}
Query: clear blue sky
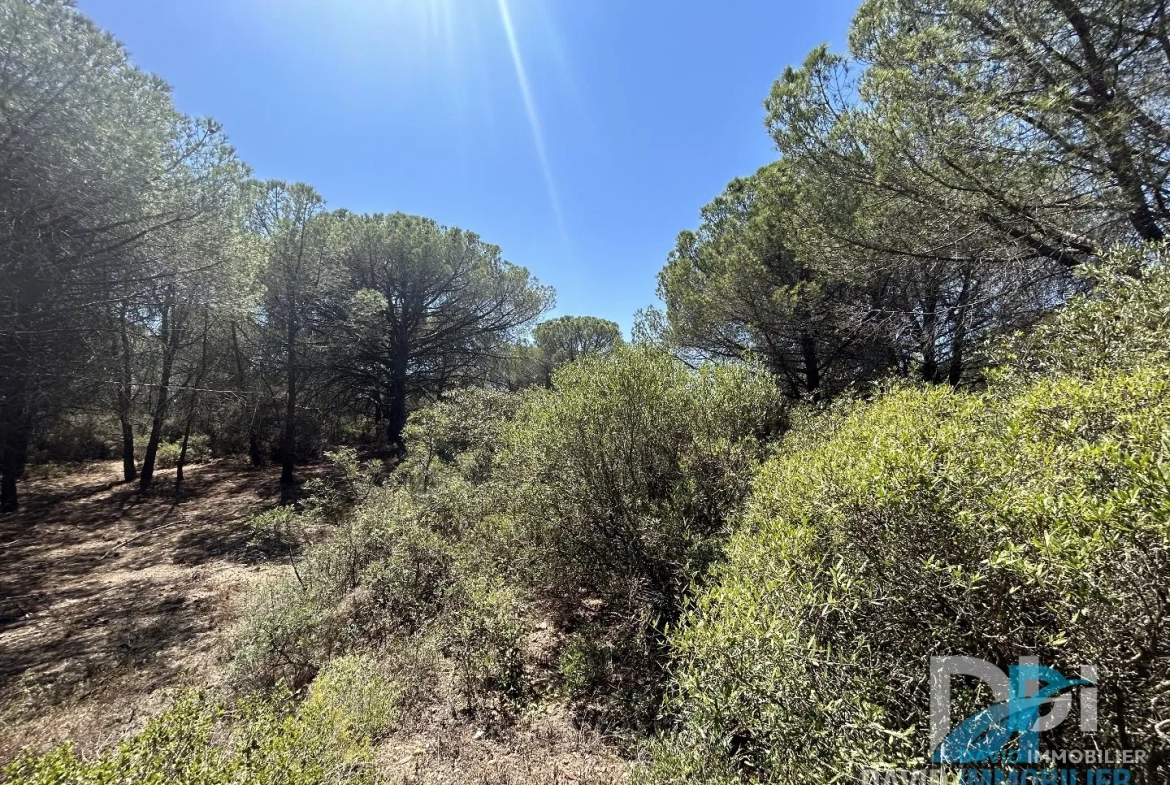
{"x": 637, "y": 112}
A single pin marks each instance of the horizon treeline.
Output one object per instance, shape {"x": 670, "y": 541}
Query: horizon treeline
{"x": 155, "y": 296}
{"x": 938, "y": 186}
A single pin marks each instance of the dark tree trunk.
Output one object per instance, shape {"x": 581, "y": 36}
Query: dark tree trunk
{"x": 171, "y": 334}
{"x": 254, "y": 453}
{"x": 812, "y": 368}
{"x": 289, "y": 441}
{"x": 182, "y": 456}
{"x": 125, "y": 382}
{"x": 396, "y": 410}
{"x": 13, "y": 454}
{"x": 930, "y": 369}
{"x": 16, "y": 350}
{"x": 194, "y": 402}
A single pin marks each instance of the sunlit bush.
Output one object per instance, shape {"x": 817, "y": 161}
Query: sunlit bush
{"x": 931, "y": 523}
{"x": 201, "y": 740}
{"x": 621, "y": 480}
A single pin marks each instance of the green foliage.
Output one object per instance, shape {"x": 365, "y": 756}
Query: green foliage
{"x": 567, "y": 338}
{"x": 485, "y": 637}
{"x": 204, "y": 741}
{"x": 429, "y": 306}
{"x": 738, "y": 286}
{"x": 1122, "y": 323}
{"x": 401, "y": 570}
{"x": 619, "y": 483}
{"x": 624, "y": 475}
{"x": 928, "y": 523}
{"x": 198, "y": 451}
{"x": 359, "y": 686}
{"x": 454, "y": 441}
{"x": 381, "y": 572}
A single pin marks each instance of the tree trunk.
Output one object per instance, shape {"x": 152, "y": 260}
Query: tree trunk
{"x": 396, "y": 410}
{"x": 170, "y": 334}
{"x": 288, "y": 443}
{"x": 812, "y": 368}
{"x": 13, "y": 453}
{"x": 194, "y": 402}
{"x": 930, "y": 369}
{"x": 241, "y": 381}
{"x": 125, "y": 382}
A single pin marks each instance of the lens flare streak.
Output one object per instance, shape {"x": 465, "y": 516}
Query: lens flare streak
{"x": 530, "y": 108}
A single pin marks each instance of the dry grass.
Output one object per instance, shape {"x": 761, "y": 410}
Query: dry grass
{"x": 543, "y": 747}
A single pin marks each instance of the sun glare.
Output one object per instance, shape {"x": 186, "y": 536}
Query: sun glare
{"x": 533, "y": 114}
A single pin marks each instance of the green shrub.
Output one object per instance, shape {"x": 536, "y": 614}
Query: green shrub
{"x": 198, "y": 451}
{"x": 484, "y": 634}
{"x": 203, "y": 741}
{"x": 462, "y": 432}
{"x": 622, "y": 477}
{"x": 391, "y": 572}
{"x": 76, "y": 437}
{"x": 360, "y": 687}
{"x": 930, "y": 523}
{"x": 47, "y": 470}
{"x": 602, "y": 498}
{"x": 619, "y": 483}
{"x": 380, "y": 573}
{"x": 1123, "y": 322}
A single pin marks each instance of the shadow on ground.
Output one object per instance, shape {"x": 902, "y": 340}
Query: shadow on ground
{"x": 108, "y": 593}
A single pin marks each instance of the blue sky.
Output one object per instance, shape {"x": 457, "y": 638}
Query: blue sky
{"x": 630, "y": 115}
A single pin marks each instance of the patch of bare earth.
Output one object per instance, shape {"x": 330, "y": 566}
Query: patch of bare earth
{"x": 542, "y": 748}
{"x": 108, "y": 597}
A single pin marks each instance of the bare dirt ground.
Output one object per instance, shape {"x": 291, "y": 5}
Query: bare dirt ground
{"x": 108, "y": 597}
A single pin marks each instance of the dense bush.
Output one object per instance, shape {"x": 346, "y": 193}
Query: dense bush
{"x": 932, "y": 523}
{"x": 484, "y": 637}
{"x": 1121, "y": 323}
{"x": 601, "y": 500}
{"x": 397, "y": 563}
{"x": 76, "y": 438}
{"x": 625, "y": 473}
{"x": 620, "y": 481}
{"x": 198, "y": 451}
{"x": 378, "y": 574}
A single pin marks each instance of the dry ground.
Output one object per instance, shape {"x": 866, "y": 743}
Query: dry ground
{"x": 108, "y": 599}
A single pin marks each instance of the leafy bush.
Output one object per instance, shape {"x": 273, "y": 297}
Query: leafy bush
{"x": 620, "y": 482}
{"x": 361, "y": 688}
{"x": 624, "y": 475}
{"x": 380, "y": 573}
{"x": 203, "y": 741}
{"x": 461, "y": 431}
{"x": 394, "y": 561}
{"x": 1123, "y": 322}
{"x": 604, "y": 497}
{"x": 198, "y": 451}
{"x": 485, "y": 637}
{"x": 78, "y": 437}
{"x": 931, "y": 523}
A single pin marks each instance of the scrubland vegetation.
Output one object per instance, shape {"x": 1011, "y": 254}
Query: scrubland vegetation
{"x": 909, "y": 396}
